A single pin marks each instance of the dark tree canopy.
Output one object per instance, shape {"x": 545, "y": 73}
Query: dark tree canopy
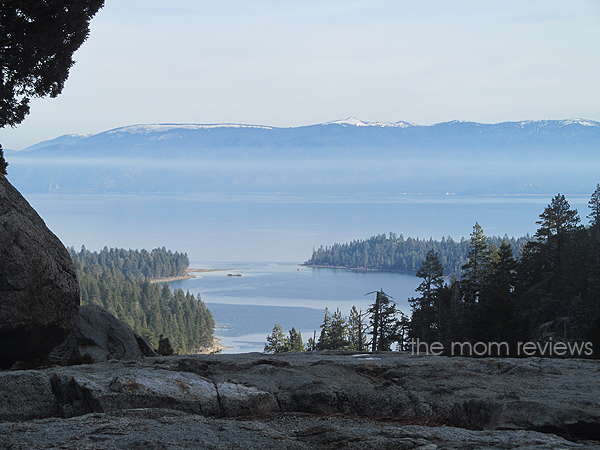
{"x": 37, "y": 42}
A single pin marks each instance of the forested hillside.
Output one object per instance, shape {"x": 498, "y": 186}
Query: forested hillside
{"x": 158, "y": 263}
{"x": 115, "y": 280}
{"x": 396, "y": 254}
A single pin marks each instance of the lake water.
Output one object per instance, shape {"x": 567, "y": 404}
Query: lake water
{"x": 276, "y": 232}
{"x": 277, "y": 227}
{"x": 288, "y": 294}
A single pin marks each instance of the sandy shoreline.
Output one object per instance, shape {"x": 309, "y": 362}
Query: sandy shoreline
{"x": 216, "y": 348}
{"x": 189, "y": 274}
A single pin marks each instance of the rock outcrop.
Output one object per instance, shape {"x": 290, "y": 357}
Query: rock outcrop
{"x": 102, "y": 336}
{"x": 311, "y": 400}
{"x": 39, "y": 294}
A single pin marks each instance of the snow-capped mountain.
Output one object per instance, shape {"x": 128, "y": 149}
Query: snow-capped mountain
{"x": 347, "y": 155}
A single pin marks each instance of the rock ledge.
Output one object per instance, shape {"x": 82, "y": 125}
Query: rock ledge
{"x": 312, "y": 400}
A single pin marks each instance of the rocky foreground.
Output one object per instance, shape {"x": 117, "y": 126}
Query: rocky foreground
{"x": 302, "y": 401}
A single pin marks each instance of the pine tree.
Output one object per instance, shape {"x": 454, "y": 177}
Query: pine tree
{"x": 38, "y": 40}
{"x": 594, "y": 205}
{"x": 356, "y": 331}
{"x": 496, "y": 318}
{"x": 557, "y": 223}
{"x": 277, "y": 342}
{"x": 338, "y": 332}
{"x": 425, "y": 318}
{"x": 324, "y": 342}
{"x": 475, "y": 269}
{"x": 164, "y": 346}
{"x": 295, "y": 341}
{"x": 385, "y": 325}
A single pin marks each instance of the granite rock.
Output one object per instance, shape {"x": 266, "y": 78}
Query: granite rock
{"x": 102, "y": 336}
{"x": 39, "y": 293}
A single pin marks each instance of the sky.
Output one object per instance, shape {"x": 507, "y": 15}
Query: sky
{"x": 292, "y": 63}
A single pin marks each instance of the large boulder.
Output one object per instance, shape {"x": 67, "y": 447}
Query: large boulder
{"x": 102, "y": 336}
{"x": 39, "y": 293}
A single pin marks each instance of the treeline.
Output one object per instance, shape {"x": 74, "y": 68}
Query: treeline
{"x": 551, "y": 294}
{"x": 158, "y": 263}
{"x": 396, "y": 254}
{"x": 544, "y": 302}
{"x": 151, "y": 309}
{"x": 387, "y": 326}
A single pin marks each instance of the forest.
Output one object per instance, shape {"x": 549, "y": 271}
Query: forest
{"x": 546, "y": 299}
{"x": 394, "y": 253}
{"x": 158, "y": 263}
{"x": 120, "y": 281}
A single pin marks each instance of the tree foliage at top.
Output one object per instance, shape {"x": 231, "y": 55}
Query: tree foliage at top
{"x": 37, "y": 42}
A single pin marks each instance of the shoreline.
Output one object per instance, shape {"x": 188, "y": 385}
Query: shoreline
{"x": 358, "y": 269}
{"x": 189, "y": 275}
{"x": 217, "y": 347}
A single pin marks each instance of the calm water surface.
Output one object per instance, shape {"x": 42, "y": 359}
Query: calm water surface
{"x": 214, "y": 229}
{"x": 288, "y": 294}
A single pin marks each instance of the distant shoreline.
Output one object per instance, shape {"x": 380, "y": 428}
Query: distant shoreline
{"x": 357, "y": 269}
{"x": 189, "y": 274}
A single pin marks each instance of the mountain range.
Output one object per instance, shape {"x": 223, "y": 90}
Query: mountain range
{"x": 342, "y": 156}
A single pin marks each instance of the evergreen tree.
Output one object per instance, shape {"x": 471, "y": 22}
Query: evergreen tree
{"x": 37, "y": 42}
{"x": 475, "y": 270}
{"x": 594, "y": 205}
{"x": 164, "y": 346}
{"x": 150, "y": 309}
{"x": 311, "y": 344}
{"x": 324, "y": 342}
{"x": 356, "y": 331}
{"x": 425, "y": 320}
{"x": 385, "y": 325}
{"x": 495, "y": 318}
{"x": 338, "y": 332}
{"x": 295, "y": 341}
{"x": 557, "y": 223}
{"x": 277, "y": 342}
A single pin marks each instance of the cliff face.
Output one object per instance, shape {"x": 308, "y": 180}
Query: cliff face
{"x": 312, "y": 400}
{"x": 39, "y": 294}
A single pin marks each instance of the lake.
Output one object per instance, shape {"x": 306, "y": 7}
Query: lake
{"x": 288, "y": 294}
{"x": 277, "y": 227}
{"x": 269, "y": 235}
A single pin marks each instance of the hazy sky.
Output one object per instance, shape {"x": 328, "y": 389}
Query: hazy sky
{"x": 291, "y": 63}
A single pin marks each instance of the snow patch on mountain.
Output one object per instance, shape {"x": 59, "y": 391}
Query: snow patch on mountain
{"x": 165, "y": 127}
{"x": 359, "y": 123}
{"x": 585, "y": 123}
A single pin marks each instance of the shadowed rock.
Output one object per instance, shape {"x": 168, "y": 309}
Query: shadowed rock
{"x": 102, "y": 336}
{"x": 39, "y": 293}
